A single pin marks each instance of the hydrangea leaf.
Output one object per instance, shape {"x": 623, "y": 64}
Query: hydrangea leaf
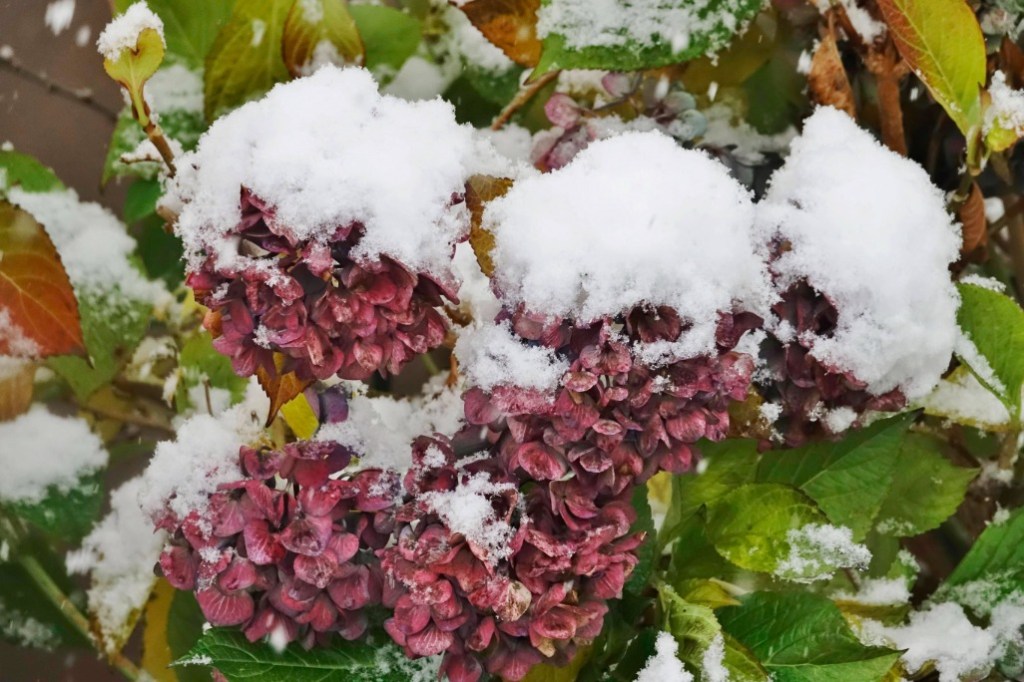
{"x": 312, "y": 25}
{"x": 942, "y": 42}
{"x": 112, "y": 326}
{"x": 576, "y": 38}
{"x": 237, "y": 659}
{"x": 749, "y": 525}
{"x": 300, "y": 417}
{"x": 848, "y": 479}
{"x": 803, "y": 637}
{"x": 992, "y": 569}
{"x": 24, "y": 171}
{"x": 190, "y": 26}
{"x": 390, "y": 37}
{"x": 39, "y": 312}
{"x": 27, "y": 617}
{"x": 161, "y": 252}
{"x": 245, "y": 59}
{"x": 511, "y": 25}
{"x": 905, "y": 512}
{"x": 731, "y": 463}
{"x": 481, "y": 189}
{"x": 140, "y": 200}
{"x": 693, "y": 626}
{"x": 68, "y": 515}
{"x": 994, "y": 323}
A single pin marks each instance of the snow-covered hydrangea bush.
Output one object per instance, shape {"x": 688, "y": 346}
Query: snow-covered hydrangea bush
{"x": 547, "y": 340}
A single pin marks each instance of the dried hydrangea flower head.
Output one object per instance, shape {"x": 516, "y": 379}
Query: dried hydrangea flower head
{"x": 320, "y": 222}
{"x": 865, "y": 317}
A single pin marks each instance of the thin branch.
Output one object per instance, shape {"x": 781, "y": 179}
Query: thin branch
{"x": 522, "y": 97}
{"x": 81, "y": 96}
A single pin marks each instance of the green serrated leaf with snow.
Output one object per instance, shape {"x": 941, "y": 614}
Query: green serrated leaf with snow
{"x": 905, "y": 512}
{"x": 993, "y": 568}
{"x": 802, "y": 637}
{"x": 848, "y": 479}
{"x": 993, "y": 347}
{"x": 628, "y": 36}
{"x": 238, "y": 659}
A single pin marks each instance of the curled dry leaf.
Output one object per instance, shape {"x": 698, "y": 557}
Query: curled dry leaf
{"x": 511, "y": 25}
{"x": 16, "y": 390}
{"x": 827, "y": 79}
{"x": 38, "y": 309}
{"x": 972, "y": 217}
{"x": 321, "y": 30}
{"x": 281, "y": 387}
{"x": 479, "y": 190}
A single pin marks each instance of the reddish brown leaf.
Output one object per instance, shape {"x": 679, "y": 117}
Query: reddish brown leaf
{"x": 480, "y": 190}
{"x": 509, "y": 24}
{"x": 827, "y": 78}
{"x": 16, "y": 391}
{"x": 38, "y": 310}
{"x": 279, "y": 387}
{"x": 1011, "y": 58}
{"x": 972, "y": 217}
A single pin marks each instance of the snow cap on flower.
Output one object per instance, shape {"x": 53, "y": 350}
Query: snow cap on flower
{"x": 328, "y": 151}
{"x": 867, "y": 229}
{"x": 633, "y": 220}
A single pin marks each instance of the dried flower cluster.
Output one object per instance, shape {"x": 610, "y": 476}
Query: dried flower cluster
{"x": 309, "y": 300}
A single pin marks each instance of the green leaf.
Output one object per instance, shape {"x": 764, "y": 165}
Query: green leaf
{"x": 198, "y": 360}
{"x": 389, "y": 35}
{"x": 995, "y": 324}
{"x": 776, "y": 93}
{"x": 68, "y": 515}
{"x": 190, "y": 27}
{"x": 581, "y": 43}
{"x": 647, "y": 552}
{"x": 848, "y": 479}
{"x": 26, "y": 172}
{"x": 140, "y": 200}
{"x": 905, "y": 511}
{"x": 238, "y": 659}
{"x": 27, "y": 616}
{"x": 992, "y": 569}
{"x": 112, "y": 326}
{"x": 749, "y": 525}
{"x": 803, "y": 637}
{"x": 730, "y": 464}
{"x": 942, "y": 42}
{"x": 184, "y": 628}
{"x": 134, "y": 65}
{"x": 161, "y": 252}
{"x": 245, "y": 59}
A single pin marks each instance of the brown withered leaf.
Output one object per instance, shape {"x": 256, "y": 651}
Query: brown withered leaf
{"x": 480, "y": 190}
{"x": 827, "y": 79}
{"x": 972, "y": 217}
{"x": 1011, "y": 60}
{"x": 279, "y": 386}
{"x": 511, "y": 25}
{"x": 38, "y": 304}
{"x": 16, "y": 391}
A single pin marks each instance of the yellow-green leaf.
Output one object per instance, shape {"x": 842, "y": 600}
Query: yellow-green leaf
{"x": 942, "y": 42}
{"x": 300, "y": 417}
{"x": 133, "y": 67}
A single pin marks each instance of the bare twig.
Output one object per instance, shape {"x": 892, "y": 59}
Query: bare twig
{"x": 524, "y": 95}
{"x": 81, "y": 96}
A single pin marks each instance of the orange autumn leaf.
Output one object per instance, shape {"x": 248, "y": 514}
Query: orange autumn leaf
{"x": 279, "y": 386}
{"x": 38, "y": 310}
{"x": 511, "y": 25}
